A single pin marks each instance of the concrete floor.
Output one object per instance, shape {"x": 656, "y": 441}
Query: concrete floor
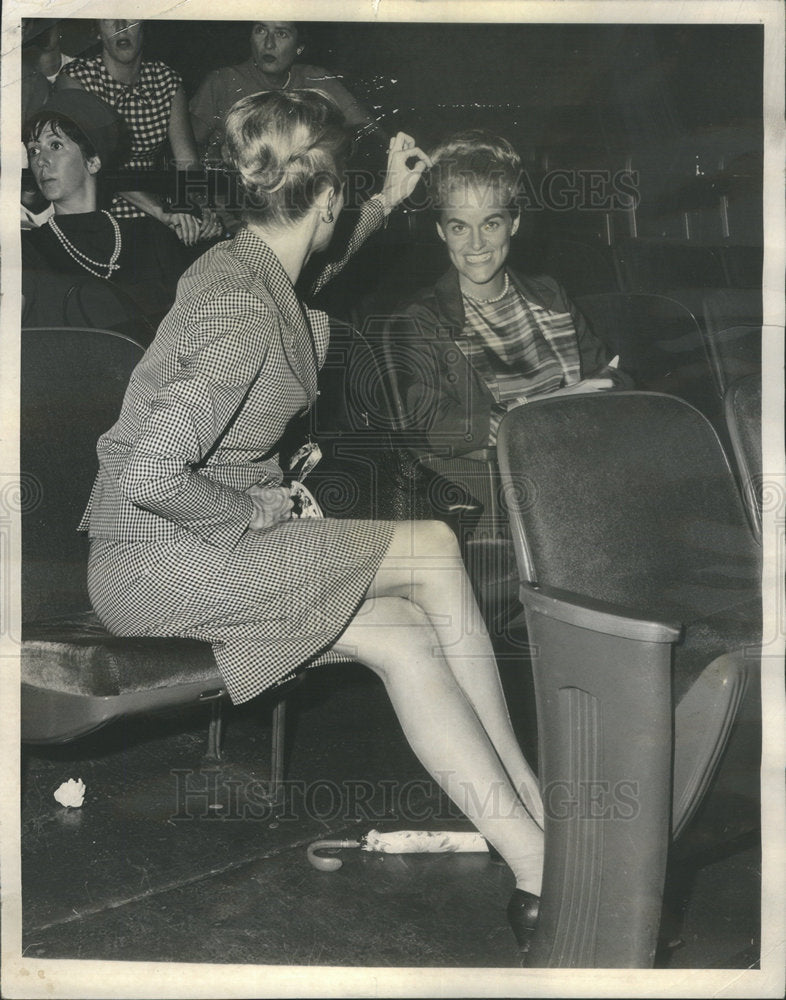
{"x": 172, "y": 858}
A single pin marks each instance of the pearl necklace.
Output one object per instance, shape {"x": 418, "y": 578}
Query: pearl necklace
{"x": 495, "y": 298}
{"x": 81, "y": 258}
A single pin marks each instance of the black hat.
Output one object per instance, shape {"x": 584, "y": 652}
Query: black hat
{"x": 100, "y": 123}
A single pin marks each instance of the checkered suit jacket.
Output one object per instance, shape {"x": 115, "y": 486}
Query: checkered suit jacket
{"x": 232, "y": 363}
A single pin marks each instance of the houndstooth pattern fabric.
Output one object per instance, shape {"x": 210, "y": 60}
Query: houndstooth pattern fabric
{"x": 145, "y": 106}
{"x": 171, "y": 554}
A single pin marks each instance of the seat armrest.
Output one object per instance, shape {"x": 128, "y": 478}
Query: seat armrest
{"x": 597, "y": 616}
{"x": 479, "y": 455}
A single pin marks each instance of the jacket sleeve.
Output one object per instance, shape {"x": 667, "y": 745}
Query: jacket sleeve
{"x": 205, "y": 109}
{"x": 188, "y": 413}
{"x": 433, "y": 381}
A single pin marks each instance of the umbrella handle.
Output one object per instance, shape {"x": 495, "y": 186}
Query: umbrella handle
{"x": 328, "y": 864}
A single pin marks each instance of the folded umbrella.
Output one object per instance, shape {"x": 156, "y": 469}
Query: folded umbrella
{"x": 399, "y": 842}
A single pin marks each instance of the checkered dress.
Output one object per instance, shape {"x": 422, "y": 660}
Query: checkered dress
{"x": 145, "y": 107}
{"x": 171, "y": 553}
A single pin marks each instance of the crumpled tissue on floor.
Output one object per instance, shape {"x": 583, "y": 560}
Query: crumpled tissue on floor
{"x": 71, "y": 793}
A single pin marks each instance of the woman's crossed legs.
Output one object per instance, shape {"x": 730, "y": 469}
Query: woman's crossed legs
{"x": 421, "y": 631}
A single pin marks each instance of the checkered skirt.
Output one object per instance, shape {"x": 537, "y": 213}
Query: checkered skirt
{"x": 276, "y": 602}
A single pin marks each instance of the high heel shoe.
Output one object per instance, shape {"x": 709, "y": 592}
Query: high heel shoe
{"x": 523, "y": 910}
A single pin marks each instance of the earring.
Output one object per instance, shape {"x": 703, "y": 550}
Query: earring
{"x": 300, "y": 50}
{"x": 329, "y": 218}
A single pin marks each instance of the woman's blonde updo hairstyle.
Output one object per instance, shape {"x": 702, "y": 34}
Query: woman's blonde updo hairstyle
{"x": 475, "y": 159}
{"x": 287, "y": 148}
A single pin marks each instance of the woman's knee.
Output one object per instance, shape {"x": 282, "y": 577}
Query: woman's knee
{"x": 390, "y": 635}
{"x": 424, "y": 539}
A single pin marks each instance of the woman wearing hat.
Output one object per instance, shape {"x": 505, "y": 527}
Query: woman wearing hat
{"x": 149, "y": 97}
{"x": 70, "y": 141}
{"x": 191, "y": 528}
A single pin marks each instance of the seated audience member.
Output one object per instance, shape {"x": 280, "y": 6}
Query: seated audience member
{"x": 41, "y": 62}
{"x": 492, "y": 339}
{"x": 275, "y": 45}
{"x": 34, "y": 208}
{"x": 41, "y": 39}
{"x": 149, "y": 96}
{"x": 191, "y": 529}
{"x": 69, "y": 141}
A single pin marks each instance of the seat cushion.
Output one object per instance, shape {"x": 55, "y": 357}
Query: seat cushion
{"x": 76, "y": 655}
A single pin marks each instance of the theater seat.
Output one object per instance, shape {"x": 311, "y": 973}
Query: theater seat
{"x": 733, "y": 330}
{"x": 54, "y": 300}
{"x": 76, "y": 676}
{"x": 660, "y": 344}
{"x": 679, "y": 269}
{"x": 581, "y": 268}
{"x": 640, "y": 581}
{"x": 742, "y": 405}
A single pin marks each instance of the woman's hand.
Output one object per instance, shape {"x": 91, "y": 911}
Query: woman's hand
{"x": 210, "y": 226}
{"x": 272, "y": 505}
{"x": 593, "y": 384}
{"x": 184, "y": 225}
{"x": 401, "y": 178}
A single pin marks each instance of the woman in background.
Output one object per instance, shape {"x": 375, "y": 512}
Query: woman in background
{"x": 71, "y": 140}
{"x": 275, "y": 47}
{"x": 150, "y": 99}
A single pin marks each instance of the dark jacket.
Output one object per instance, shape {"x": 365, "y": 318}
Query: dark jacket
{"x": 442, "y": 395}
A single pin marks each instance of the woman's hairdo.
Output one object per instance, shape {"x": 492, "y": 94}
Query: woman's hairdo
{"x": 302, "y": 30}
{"x": 287, "y": 147}
{"x": 61, "y": 125}
{"x": 475, "y": 160}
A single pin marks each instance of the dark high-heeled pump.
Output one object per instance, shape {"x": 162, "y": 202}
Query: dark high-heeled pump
{"x": 523, "y": 910}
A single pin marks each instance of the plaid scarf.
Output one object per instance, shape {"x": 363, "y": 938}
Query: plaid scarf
{"x": 519, "y": 349}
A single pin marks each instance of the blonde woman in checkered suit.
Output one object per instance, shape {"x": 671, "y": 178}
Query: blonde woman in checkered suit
{"x": 191, "y": 533}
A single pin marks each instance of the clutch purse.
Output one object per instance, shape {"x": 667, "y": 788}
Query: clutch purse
{"x": 305, "y": 504}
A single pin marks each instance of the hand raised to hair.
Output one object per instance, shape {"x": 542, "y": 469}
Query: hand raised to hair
{"x": 402, "y": 173}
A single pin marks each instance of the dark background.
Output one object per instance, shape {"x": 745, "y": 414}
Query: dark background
{"x": 603, "y": 85}
{"x": 681, "y": 104}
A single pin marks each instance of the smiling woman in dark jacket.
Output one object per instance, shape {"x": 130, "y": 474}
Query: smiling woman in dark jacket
{"x": 486, "y": 339}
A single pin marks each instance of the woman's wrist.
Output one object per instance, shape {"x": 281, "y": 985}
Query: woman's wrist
{"x": 381, "y": 197}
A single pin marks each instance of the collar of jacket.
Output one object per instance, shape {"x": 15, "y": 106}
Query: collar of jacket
{"x": 306, "y": 331}
{"x": 451, "y": 303}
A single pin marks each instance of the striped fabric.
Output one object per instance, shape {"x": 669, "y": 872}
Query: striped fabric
{"x": 144, "y": 106}
{"x": 518, "y": 348}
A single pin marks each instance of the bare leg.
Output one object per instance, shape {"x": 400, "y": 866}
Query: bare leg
{"x": 424, "y": 565}
{"x": 396, "y": 639}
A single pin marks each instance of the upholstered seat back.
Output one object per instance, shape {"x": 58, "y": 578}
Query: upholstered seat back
{"x": 744, "y": 419}
{"x": 644, "y": 511}
{"x": 72, "y": 387}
